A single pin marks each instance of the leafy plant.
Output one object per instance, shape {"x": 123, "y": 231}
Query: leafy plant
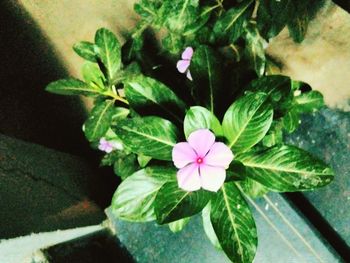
{"x": 143, "y": 107}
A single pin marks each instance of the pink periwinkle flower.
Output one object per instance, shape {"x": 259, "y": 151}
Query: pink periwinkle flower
{"x": 109, "y": 146}
{"x": 183, "y": 64}
{"x": 202, "y": 162}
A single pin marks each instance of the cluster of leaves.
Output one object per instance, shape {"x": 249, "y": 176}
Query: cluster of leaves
{"x": 145, "y": 105}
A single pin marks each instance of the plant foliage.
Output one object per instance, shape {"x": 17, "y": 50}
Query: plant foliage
{"x": 144, "y": 104}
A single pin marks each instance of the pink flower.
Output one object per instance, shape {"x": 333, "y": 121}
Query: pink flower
{"x": 202, "y": 162}
{"x": 109, "y": 146}
{"x": 184, "y": 64}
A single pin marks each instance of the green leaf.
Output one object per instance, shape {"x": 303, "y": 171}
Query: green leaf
{"x": 172, "y": 203}
{"x": 93, "y": 75}
{"x": 151, "y": 136}
{"x": 109, "y": 51}
{"x": 273, "y": 16}
{"x": 234, "y": 224}
{"x": 206, "y": 71}
{"x": 99, "y": 120}
{"x": 134, "y": 198}
{"x": 143, "y": 160}
{"x": 178, "y": 225}
{"x": 290, "y": 120}
{"x": 276, "y": 86}
{"x": 125, "y": 165}
{"x": 255, "y": 49}
{"x": 236, "y": 171}
{"x": 286, "y": 169}
{"x": 86, "y": 50}
{"x": 147, "y": 95}
{"x": 304, "y": 12}
{"x": 147, "y": 9}
{"x": 173, "y": 43}
{"x": 200, "y": 118}
{"x": 247, "y": 121}
{"x": 252, "y": 188}
{"x": 178, "y": 14}
{"x": 71, "y": 86}
{"x": 274, "y": 135}
{"x": 208, "y": 227}
{"x": 119, "y": 113}
{"x": 309, "y": 101}
{"x": 229, "y": 27}
{"x": 298, "y": 27}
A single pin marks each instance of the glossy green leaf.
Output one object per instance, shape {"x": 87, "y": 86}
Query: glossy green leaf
{"x": 147, "y": 9}
{"x": 298, "y": 27}
{"x": 86, "y": 50}
{"x": 286, "y": 169}
{"x": 229, "y": 27}
{"x": 206, "y": 72}
{"x": 291, "y": 120}
{"x": 72, "y": 86}
{"x": 276, "y": 86}
{"x": 273, "y": 16}
{"x": 274, "y": 135}
{"x": 176, "y": 15}
{"x": 119, "y": 113}
{"x": 178, "y": 225}
{"x": 208, "y": 227}
{"x": 173, "y": 43}
{"x": 99, "y": 120}
{"x": 172, "y": 203}
{"x": 125, "y": 165}
{"x": 247, "y": 121}
{"x": 108, "y": 49}
{"x": 134, "y": 198}
{"x": 143, "y": 160}
{"x": 252, "y": 188}
{"x": 255, "y": 49}
{"x": 309, "y": 101}
{"x": 304, "y": 12}
{"x": 93, "y": 75}
{"x": 148, "y": 95}
{"x": 198, "y": 117}
{"x": 151, "y": 136}
{"x": 234, "y": 224}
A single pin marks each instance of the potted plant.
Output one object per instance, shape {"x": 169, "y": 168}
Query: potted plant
{"x": 194, "y": 122}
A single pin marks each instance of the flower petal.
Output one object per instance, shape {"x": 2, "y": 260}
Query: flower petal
{"x": 188, "y": 178}
{"x": 182, "y": 65}
{"x": 212, "y": 178}
{"x": 187, "y": 54}
{"x": 201, "y": 141}
{"x": 183, "y": 154}
{"x": 219, "y": 155}
{"x": 188, "y": 75}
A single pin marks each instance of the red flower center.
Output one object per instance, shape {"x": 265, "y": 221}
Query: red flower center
{"x": 199, "y": 160}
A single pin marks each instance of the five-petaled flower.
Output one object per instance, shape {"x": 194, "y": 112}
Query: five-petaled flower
{"x": 183, "y": 64}
{"x": 109, "y": 146}
{"x": 202, "y": 162}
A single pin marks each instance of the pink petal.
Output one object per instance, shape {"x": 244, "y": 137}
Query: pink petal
{"x": 108, "y": 149}
{"x": 212, "y": 178}
{"x": 188, "y": 178}
{"x": 182, "y": 65}
{"x": 219, "y": 155}
{"x": 183, "y": 154}
{"x": 188, "y": 75}
{"x": 187, "y": 54}
{"x": 201, "y": 141}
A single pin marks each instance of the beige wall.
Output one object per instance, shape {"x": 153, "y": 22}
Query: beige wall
{"x": 322, "y": 60}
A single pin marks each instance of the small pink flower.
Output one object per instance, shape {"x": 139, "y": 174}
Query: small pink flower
{"x": 184, "y": 63}
{"x": 109, "y": 146}
{"x": 202, "y": 162}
